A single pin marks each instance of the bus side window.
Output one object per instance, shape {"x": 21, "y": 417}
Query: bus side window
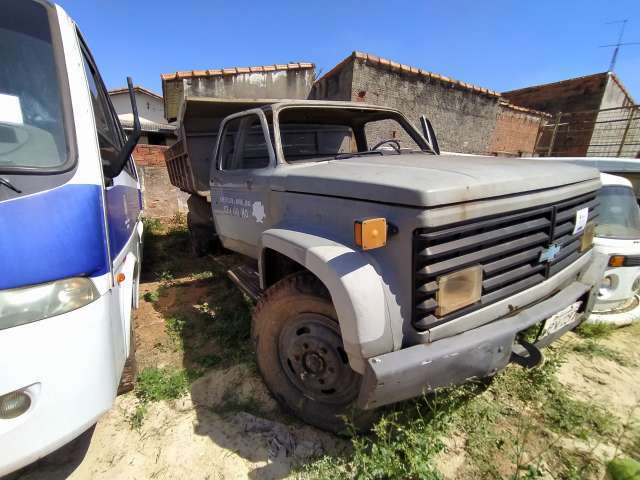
{"x": 109, "y": 139}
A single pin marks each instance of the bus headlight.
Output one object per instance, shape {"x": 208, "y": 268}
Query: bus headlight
{"x": 30, "y": 304}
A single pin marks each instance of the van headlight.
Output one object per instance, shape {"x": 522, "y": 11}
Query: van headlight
{"x": 458, "y": 289}
{"x": 30, "y": 304}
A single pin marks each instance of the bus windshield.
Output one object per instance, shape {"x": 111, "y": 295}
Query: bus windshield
{"x": 619, "y": 213}
{"x": 31, "y": 120}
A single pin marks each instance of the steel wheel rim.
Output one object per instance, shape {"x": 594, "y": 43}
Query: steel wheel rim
{"x": 312, "y": 356}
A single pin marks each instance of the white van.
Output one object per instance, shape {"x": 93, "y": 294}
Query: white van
{"x": 618, "y": 236}
{"x": 70, "y": 236}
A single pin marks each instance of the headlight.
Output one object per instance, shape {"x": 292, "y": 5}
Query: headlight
{"x": 458, "y": 289}
{"x": 30, "y": 304}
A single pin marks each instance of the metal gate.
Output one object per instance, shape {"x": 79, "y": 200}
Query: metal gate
{"x": 610, "y": 132}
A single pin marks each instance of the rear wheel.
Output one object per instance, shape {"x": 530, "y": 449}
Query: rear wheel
{"x": 301, "y": 356}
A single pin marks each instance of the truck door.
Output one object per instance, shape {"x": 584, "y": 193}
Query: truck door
{"x": 240, "y": 181}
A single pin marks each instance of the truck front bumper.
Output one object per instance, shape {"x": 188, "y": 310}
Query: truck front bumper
{"x": 477, "y": 353}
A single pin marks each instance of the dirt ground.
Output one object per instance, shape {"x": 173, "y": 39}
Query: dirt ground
{"x": 226, "y": 425}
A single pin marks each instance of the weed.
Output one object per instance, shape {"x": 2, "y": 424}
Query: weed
{"x": 136, "y": 419}
{"x": 174, "y": 327}
{"x": 594, "y": 349}
{"x": 152, "y": 225}
{"x": 166, "y": 278}
{"x": 209, "y": 361}
{"x": 151, "y": 297}
{"x": 577, "y": 418}
{"x": 156, "y": 384}
{"x": 202, "y": 275}
{"x": 230, "y": 326}
{"x": 595, "y": 330}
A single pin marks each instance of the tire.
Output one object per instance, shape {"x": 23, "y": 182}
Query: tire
{"x": 301, "y": 357}
{"x": 130, "y": 370}
{"x": 203, "y": 240}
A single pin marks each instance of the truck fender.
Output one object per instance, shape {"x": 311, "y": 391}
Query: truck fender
{"x": 355, "y": 287}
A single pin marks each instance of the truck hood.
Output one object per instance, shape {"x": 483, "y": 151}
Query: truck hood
{"x": 422, "y": 180}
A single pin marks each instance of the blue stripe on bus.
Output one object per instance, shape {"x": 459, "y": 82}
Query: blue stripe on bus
{"x": 51, "y": 235}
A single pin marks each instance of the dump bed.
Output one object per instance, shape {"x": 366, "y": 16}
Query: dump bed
{"x": 189, "y": 159}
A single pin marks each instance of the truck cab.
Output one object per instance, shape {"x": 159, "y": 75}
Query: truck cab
{"x": 385, "y": 269}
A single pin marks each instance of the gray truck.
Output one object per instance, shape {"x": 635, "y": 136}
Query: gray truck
{"x": 382, "y": 269}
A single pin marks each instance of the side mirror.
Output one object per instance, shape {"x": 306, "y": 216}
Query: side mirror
{"x": 112, "y": 170}
{"x": 429, "y": 134}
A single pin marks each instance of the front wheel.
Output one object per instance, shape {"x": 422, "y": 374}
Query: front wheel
{"x": 301, "y": 356}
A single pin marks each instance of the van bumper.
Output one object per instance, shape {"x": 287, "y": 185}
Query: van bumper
{"x": 477, "y": 353}
{"x": 66, "y": 365}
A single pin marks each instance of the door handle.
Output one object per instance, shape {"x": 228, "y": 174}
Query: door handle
{"x": 249, "y": 184}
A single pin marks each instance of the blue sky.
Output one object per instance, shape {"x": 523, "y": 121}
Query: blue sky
{"x": 502, "y": 45}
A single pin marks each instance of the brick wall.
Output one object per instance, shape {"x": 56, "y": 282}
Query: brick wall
{"x": 573, "y": 95}
{"x": 149, "y": 155}
{"x": 515, "y": 132}
{"x": 159, "y": 197}
{"x": 463, "y": 120}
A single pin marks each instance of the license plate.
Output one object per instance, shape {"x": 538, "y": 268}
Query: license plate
{"x": 560, "y": 319}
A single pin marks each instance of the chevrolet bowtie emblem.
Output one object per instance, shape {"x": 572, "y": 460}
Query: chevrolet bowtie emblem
{"x": 550, "y": 253}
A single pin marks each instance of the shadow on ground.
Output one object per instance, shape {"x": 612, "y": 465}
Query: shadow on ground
{"x": 193, "y": 317}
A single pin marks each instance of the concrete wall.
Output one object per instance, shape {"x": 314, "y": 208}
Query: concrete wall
{"x": 160, "y": 198}
{"x": 276, "y": 81}
{"x": 610, "y": 127}
{"x": 515, "y": 132}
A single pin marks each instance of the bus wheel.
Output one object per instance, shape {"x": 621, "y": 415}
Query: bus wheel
{"x": 130, "y": 371}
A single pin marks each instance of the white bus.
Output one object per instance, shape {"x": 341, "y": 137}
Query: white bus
{"x": 70, "y": 236}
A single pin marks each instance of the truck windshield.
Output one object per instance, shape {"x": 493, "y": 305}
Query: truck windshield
{"x": 619, "y": 213}
{"x": 31, "y": 121}
{"x": 327, "y": 133}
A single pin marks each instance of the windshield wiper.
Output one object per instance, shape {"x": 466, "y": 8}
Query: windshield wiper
{"x": 8, "y": 184}
{"x": 342, "y": 156}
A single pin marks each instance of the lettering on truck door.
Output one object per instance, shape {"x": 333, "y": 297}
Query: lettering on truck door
{"x": 239, "y": 185}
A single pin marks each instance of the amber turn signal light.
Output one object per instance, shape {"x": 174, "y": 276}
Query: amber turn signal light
{"x": 616, "y": 261}
{"x": 370, "y": 233}
{"x": 120, "y": 278}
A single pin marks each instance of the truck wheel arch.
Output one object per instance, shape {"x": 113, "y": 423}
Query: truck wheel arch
{"x": 355, "y": 287}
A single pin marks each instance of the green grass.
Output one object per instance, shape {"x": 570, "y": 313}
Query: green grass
{"x": 229, "y": 325}
{"x": 209, "y": 361}
{"x": 509, "y": 431}
{"x": 175, "y": 327}
{"x": 136, "y": 419}
{"x": 595, "y": 330}
{"x": 202, "y": 275}
{"x": 584, "y": 420}
{"x": 152, "y": 225}
{"x": 156, "y": 384}
{"x": 594, "y": 349}
{"x": 151, "y": 297}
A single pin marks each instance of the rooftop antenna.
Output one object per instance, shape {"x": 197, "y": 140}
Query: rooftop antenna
{"x": 619, "y": 44}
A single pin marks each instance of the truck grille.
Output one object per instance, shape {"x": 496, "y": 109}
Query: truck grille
{"x": 507, "y": 247}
